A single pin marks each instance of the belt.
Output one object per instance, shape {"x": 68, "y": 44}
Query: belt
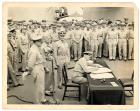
{"x": 48, "y": 59}
{"x": 122, "y": 38}
{"x": 24, "y": 43}
{"x": 112, "y": 38}
{"x": 41, "y": 63}
{"x": 61, "y": 55}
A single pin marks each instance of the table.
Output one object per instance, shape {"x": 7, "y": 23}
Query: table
{"x": 104, "y": 93}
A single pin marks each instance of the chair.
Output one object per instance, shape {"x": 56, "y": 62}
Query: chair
{"x": 68, "y": 84}
{"x": 128, "y": 83}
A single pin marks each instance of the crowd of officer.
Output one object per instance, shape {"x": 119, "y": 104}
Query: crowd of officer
{"x": 36, "y": 47}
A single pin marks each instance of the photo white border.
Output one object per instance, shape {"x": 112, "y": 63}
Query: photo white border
{"x": 82, "y": 107}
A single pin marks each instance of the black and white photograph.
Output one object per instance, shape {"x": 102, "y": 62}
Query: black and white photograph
{"x": 70, "y": 54}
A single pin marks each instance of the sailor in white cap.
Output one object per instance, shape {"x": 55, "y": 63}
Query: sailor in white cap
{"x": 36, "y": 69}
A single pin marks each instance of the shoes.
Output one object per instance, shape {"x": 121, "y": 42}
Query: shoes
{"x": 125, "y": 59}
{"x": 8, "y": 89}
{"x": 18, "y": 85}
{"x": 60, "y": 87}
{"x": 48, "y": 93}
{"x": 52, "y": 101}
{"x": 45, "y": 101}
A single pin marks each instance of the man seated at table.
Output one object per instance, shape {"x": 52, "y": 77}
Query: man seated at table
{"x": 81, "y": 68}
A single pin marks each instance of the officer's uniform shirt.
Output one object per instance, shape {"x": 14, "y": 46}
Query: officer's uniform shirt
{"x": 94, "y": 36}
{"x": 24, "y": 42}
{"x": 123, "y": 34}
{"x": 87, "y": 35}
{"x": 18, "y": 33}
{"x": 100, "y": 35}
{"x": 80, "y": 67}
{"x": 46, "y": 48}
{"x": 69, "y": 35}
{"x": 46, "y": 35}
{"x": 61, "y": 52}
{"x": 105, "y": 30}
{"x": 14, "y": 42}
{"x": 118, "y": 31}
{"x": 112, "y": 36}
{"x": 54, "y": 37}
{"x": 130, "y": 34}
{"x": 10, "y": 50}
{"x": 77, "y": 36}
{"x": 35, "y": 59}
{"x": 31, "y": 34}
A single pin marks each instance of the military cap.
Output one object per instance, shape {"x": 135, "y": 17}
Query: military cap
{"x": 130, "y": 24}
{"x": 36, "y": 37}
{"x": 123, "y": 24}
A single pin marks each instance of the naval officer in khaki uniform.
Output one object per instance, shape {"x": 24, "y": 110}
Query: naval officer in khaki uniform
{"x": 94, "y": 41}
{"x": 112, "y": 40}
{"x": 123, "y": 42}
{"x": 61, "y": 55}
{"x": 77, "y": 43}
{"x": 81, "y": 68}
{"x": 130, "y": 37}
{"x": 24, "y": 47}
{"x": 100, "y": 39}
{"x": 36, "y": 68}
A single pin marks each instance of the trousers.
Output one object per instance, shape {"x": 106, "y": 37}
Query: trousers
{"x": 112, "y": 49}
{"x": 94, "y": 47}
{"x": 86, "y": 45}
{"x": 100, "y": 39}
{"x": 39, "y": 83}
{"x": 11, "y": 73}
{"x": 122, "y": 47}
{"x": 49, "y": 76}
{"x": 77, "y": 47}
{"x": 131, "y": 49}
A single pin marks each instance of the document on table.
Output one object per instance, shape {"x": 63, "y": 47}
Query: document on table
{"x": 98, "y": 70}
{"x": 102, "y": 70}
{"x": 98, "y": 65}
{"x": 92, "y": 69}
{"x": 101, "y": 76}
{"x": 114, "y": 84}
